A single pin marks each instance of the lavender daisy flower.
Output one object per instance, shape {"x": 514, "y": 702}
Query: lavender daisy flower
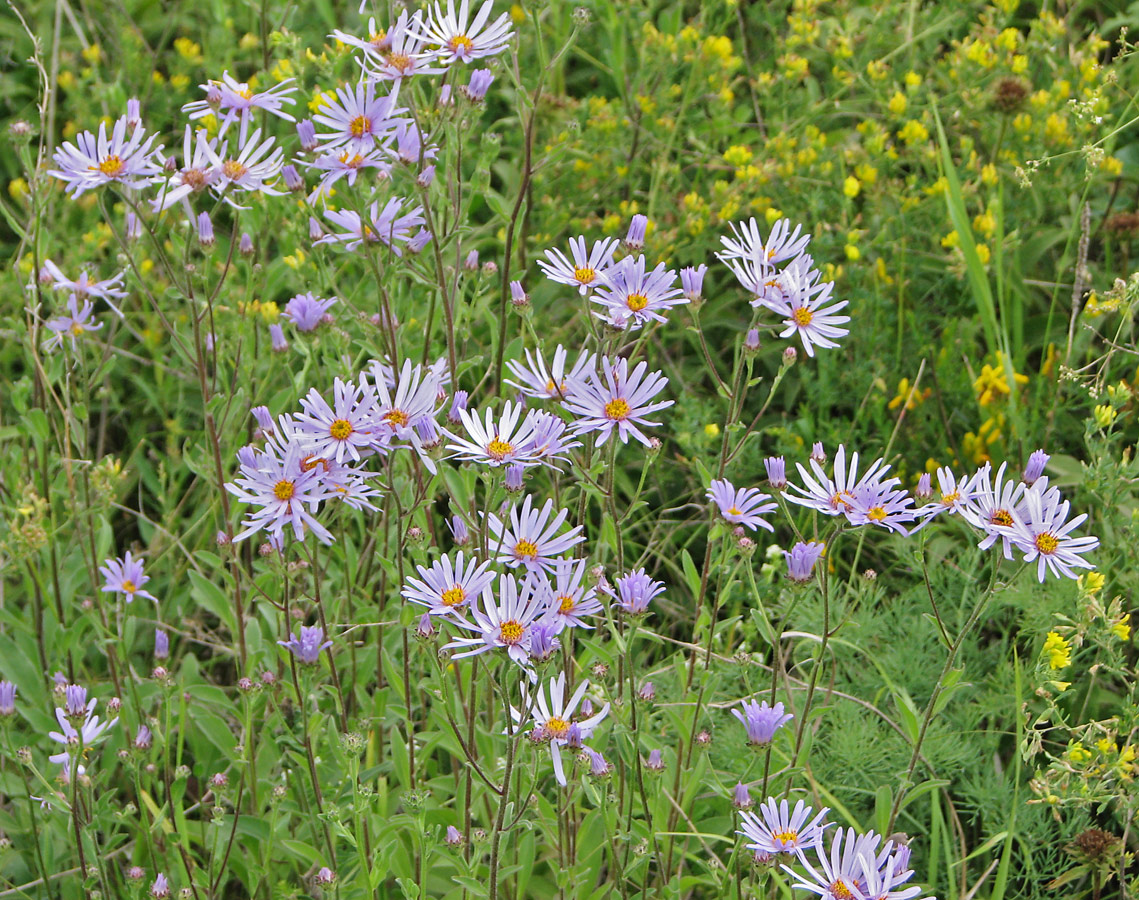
{"x": 993, "y": 507}
{"x": 761, "y": 721}
{"x": 808, "y": 314}
{"x": 549, "y": 443}
{"x": 237, "y": 101}
{"x": 749, "y": 243}
{"x": 283, "y": 492}
{"x": 506, "y": 622}
{"x": 587, "y": 271}
{"x": 692, "y": 281}
{"x": 638, "y": 295}
{"x": 131, "y": 160}
{"x": 886, "y": 881}
{"x": 531, "y": 537}
{"x": 495, "y": 444}
{"x": 841, "y": 875}
{"x": 445, "y": 587}
{"x": 801, "y": 560}
{"x": 356, "y": 118}
{"x": 160, "y": 890}
{"x": 924, "y": 490}
{"x": 776, "y": 468}
{"x": 741, "y": 507}
{"x": 741, "y": 797}
{"x": 409, "y": 146}
{"x": 881, "y": 503}
{"x": 779, "y": 829}
{"x": 348, "y": 165}
{"x": 402, "y": 402}
{"x": 125, "y": 576}
{"x": 385, "y": 226}
{"x": 635, "y": 591}
{"x": 277, "y": 338}
{"x": 567, "y": 597}
{"x": 308, "y": 646}
{"x": 405, "y": 56}
{"x": 205, "y": 230}
{"x": 345, "y": 482}
{"x": 306, "y": 311}
{"x": 1035, "y": 468}
{"x": 161, "y": 644}
{"x": 544, "y": 642}
{"x": 72, "y": 326}
{"x": 344, "y": 428}
{"x": 1043, "y": 534}
{"x": 832, "y": 496}
{"x": 477, "y": 85}
{"x": 250, "y": 169}
{"x": 553, "y": 715}
{"x": 461, "y": 39}
{"x": 954, "y": 493}
{"x": 197, "y": 173}
{"x": 83, "y": 287}
{"x": 87, "y": 734}
{"x": 142, "y": 738}
{"x": 537, "y": 380}
{"x": 7, "y": 699}
{"x": 635, "y": 237}
{"x": 618, "y": 399}
{"x": 375, "y": 45}
{"x": 599, "y": 767}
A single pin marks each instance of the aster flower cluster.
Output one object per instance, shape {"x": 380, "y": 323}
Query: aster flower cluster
{"x": 855, "y": 865}
{"x": 1027, "y": 514}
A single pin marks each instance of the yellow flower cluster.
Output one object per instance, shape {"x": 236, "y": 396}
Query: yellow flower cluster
{"x": 1058, "y": 650}
{"x": 992, "y": 384}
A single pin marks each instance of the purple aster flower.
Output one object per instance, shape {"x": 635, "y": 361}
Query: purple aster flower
{"x": 79, "y": 710}
{"x": 308, "y": 646}
{"x": 142, "y": 738}
{"x": 426, "y": 177}
{"x": 245, "y": 246}
{"x": 801, "y": 560}
{"x": 553, "y": 715}
{"x": 881, "y": 503}
{"x": 993, "y": 506}
{"x": 647, "y": 692}
{"x": 741, "y": 507}
{"x": 807, "y": 312}
{"x": 495, "y": 443}
{"x": 505, "y": 621}
{"x": 425, "y": 630}
{"x": 377, "y": 43}
{"x": 292, "y": 178}
{"x": 343, "y": 428}
{"x": 306, "y": 133}
{"x": 779, "y": 829}
{"x": 198, "y": 171}
{"x": 833, "y": 496}
{"x": 477, "y": 85}
{"x": 553, "y": 382}
{"x": 655, "y": 762}
{"x": 458, "y": 407}
{"x": 428, "y": 432}
{"x": 454, "y": 837}
{"x": 409, "y": 146}
{"x": 161, "y": 644}
{"x": 587, "y": 271}
{"x": 924, "y": 490}
{"x": 518, "y": 296}
{"x": 125, "y": 576}
{"x": 1043, "y": 534}
{"x": 283, "y": 491}
{"x": 405, "y": 55}
{"x": 635, "y": 591}
{"x": 531, "y": 537}
{"x": 160, "y": 890}
{"x": 249, "y": 170}
{"x": 7, "y": 699}
{"x": 514, "y": 478}
{"x": 324, "y": 876}
{"x": 741, "y": 799}
{"x": 618, "y": 399}
{"x": 446, "y": 588}
{"x": 751, "y": 341}
{"x": 237, "y": 101}
{"x": 549, "y": 442}
{"x": 277, "y": 338}
{"x": 460, "y": 39}
{"x": 842, "y": 870}
{"x": 635, "y": 238}
{"x": 420, "y": 240}
{"x": 264, "y": 419}
{"x": 544, "y": 641}
{"x": 71, "y": 326}
{"x": 1035, "y": 468}
{"x": 94, "y": 161}
{"x": 205, "y": 230}
{"x": 385, "y": 226}
{"x": 471, "y": 263}
{"x": 83, "y": 287}
{"x": 459, "y": 531}
{"x": 761, "y": 721}
{"x": 636, "y": 295}
{"x": 356, "y": 118}
{"x": 402, "y": 402}
{"x": 692, "y": 281}
{"x": 598, "y": 766}
{"x": 750, "y": 245}
{"x": 567, "y": 596}
{"x": 776, "y": 468}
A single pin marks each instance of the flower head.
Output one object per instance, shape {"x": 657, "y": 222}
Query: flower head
{"x": 636, "y": 295}
{"x": 1043, "y": 534}
{"x": 553, "y": 382}
{"x": 127, "y": 157}
{"x": 446, "y": 588}
{"x": 635, "y": 591}
{"x": 553, "y": 715}
{"x": 460, "y": 38}
{"x": 71, "y": 326}
{"x": 779, "y": 829}
{"x": 504, "y": 621}
{"x": 761, "y": 720}
{"x": 531, "y": 538}
{"x": 125, "y": 576}
{"x": 236, "y": 101}
{"x": 308, "y": 646}
{"x": 567, "y": 597}
{"x": 617, "y": 400}
{"x": 306, "y": 311}
{"x": 801, "y": 560}
{"x": 743, "y": 506}
{"x": 587, "y": 271}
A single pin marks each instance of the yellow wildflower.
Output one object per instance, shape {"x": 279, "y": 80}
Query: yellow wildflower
{"x": 92, "y": 54}
{"x": 851, "y": 186}
{"x": 992, "y": 385}
{"x": 913, "y": 132}
{"x": 712, "y": 430}
{"x": 897, "y": 104}
{"x": 188, "y": 49}
{"x": 1122, "y": 628}
{"x": 989, "y": 174}
{"x": 1059, "y": 651}
{"x": 1104, "y": 415}
{"x": 737, "y": 155}
{"x": 912, "y": 79}
{"x": 1078, "y": 753}
{"x": 517, "y": 14}
{"x": 1090, "y": 583}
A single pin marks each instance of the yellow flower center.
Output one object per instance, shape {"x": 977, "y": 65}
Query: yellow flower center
{"x": 802, "y": 316}
{"x": 360, "y": 126}
{"x": 734, "y": 511}
{"x": 340, "y": 429}
{"x": 876, "y": 513}
{"x": 129, "y": 586}
{"x": 566, "y": 604}
{"x": 284, "y": 489}
{"x": 77, "y": 328}
{"x": 841, "y": 891}
{"x": 195, "y": 178}
{"x": 1047, "y": 543}
{"x": 841, "y": 499}
{"x": 395, "y": 417}
{"x": 112, "y": 166}
{"x": 636, "y": 302}
{"x": 352, "y": 162}
{"x": 1001, "y": 517}
{"x": 511, "y": 631}
{"x": 460, "y": 41}
{"x": 233, "y": 170}
{"x": 950, "y": 498}
{"x": 553, "y": 388}
{"x": 617, "y": 410}
{"x": 400, "y": 61}
{"x": 556, "y": 727}
{"x": 311, "y": 461}
{"x": 377, "y": 39}
{"x": 245, "y": 94}
{"x": 585, "y": 276}
{"x": 499, "y": 449}
{"x": 453, "y": 596}
{"x": 526, "y": 549}
{"x": 786, "y": 837}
